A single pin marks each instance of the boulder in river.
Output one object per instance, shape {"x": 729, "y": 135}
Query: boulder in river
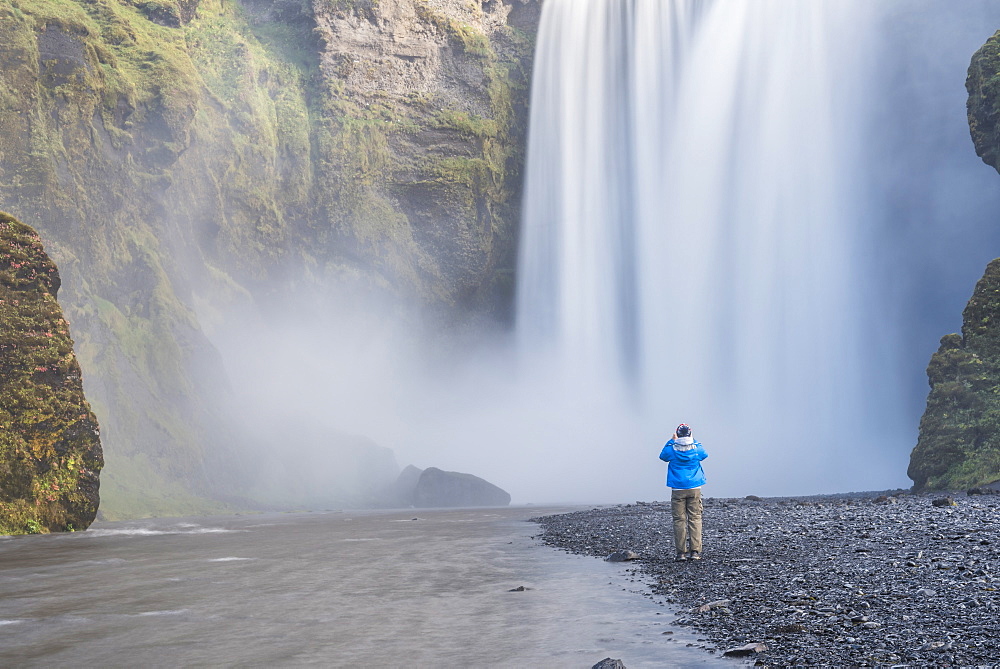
{"x": 608, "y": 663}
{"x": 438, "y": 488}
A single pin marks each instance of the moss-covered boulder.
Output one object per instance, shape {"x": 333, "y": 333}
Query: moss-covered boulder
{"x": 50, "y": 448}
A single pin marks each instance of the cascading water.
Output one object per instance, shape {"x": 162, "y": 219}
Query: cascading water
{"x": 697, "y": 229}
{"x": 754, "y": 216}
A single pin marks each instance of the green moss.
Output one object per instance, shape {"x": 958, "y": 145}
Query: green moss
{"x": 471, "y": 40}
{"x": 959, "y": 440}
{"x": 221, "y": 136}
{"x": 50, "y": 453}
{"x": 467, "y": 124}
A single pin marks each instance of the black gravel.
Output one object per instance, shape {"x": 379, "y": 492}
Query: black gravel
{"x": 864, "y": 579}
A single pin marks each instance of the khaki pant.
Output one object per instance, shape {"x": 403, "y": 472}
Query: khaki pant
{"x": 686, "y": 507}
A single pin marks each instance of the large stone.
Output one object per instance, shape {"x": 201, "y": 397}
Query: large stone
{"x": 50, "y": 448}
{"x": 437, "y": 488}
{"x": 609, "y": 663}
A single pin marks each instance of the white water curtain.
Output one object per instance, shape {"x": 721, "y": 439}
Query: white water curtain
{"x": 694, "y": 213}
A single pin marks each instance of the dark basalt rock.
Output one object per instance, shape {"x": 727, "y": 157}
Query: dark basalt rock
{"x": 437, "y": 488}
{"x": 608, "y": 663}
{"x": 746, "y": 650}
{"x": 50, "y": 449}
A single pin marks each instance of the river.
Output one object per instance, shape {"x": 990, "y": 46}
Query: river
{"x": 375, "y": 589}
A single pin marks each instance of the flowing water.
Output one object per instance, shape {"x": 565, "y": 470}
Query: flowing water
{"x": 375, "y": 589}
{"x": 710, "y": 236}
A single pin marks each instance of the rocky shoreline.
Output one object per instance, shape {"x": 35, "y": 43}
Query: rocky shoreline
{"x": 861, "y": 579}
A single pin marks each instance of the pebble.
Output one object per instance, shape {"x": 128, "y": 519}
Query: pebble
{"x": 818, "y": 580}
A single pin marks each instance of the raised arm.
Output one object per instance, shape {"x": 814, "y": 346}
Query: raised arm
{"x": 667, "y": 454}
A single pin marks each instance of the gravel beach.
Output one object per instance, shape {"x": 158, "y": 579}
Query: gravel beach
{"x": 863, "y": 579}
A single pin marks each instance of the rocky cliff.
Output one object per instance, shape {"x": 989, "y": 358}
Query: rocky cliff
{"x": 959, "y": 441}
{"x": 183, "y": 155}
{"x": 50, "y": 448}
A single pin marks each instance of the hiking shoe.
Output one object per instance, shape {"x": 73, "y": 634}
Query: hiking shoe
{"x": 681, "y": 557}
{"x": 694, "y": 555}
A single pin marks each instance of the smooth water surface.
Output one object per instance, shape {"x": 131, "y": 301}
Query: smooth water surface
{"x": 375, "y": 589}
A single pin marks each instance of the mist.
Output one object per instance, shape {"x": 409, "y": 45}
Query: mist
{"x": 757, "y": 222}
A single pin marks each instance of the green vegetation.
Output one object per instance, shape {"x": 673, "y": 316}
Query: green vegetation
{"x": 170, "y": 156}
{"x": 983, "y": 86}
{"x": 959, "y": 442}
{"x": 50, "y": 451}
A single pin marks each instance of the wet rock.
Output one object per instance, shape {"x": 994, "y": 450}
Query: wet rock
{"x": 754, "y": 498}
{"x": 622, "y": 556}
{"x": 792, "y": 628}
{"x": 944, "y": 501}
{"x": 717, "y": 604}
{"x": 608, "y": 663}
{"x": 746, "y": 651}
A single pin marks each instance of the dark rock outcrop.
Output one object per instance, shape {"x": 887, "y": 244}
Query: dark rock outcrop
{"x": 50, "y": 448}
{"x": 609, "y": 663}
{"x": 437, "y": 488}
{"x": 959, "y": 442}
{"x": 983, "y": 86}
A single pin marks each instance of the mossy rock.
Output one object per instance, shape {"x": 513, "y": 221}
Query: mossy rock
{"x": 959, "y": 441}
{"x": 50, "y": 448}
{"x": 983, "y": 86}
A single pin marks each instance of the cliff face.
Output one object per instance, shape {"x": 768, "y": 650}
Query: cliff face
{"x": 959, "y": 441}
{"x": 182, "y": 155}
{"x": 50, "y": 449}
{"x": 983, "y": 86}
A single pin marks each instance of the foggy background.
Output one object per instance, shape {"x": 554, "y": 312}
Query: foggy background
{"x": 331, "y": 372}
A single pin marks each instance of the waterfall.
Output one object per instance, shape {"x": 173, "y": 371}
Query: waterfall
{"x": 695, "y": 230}
{"x": 757, "y": 217}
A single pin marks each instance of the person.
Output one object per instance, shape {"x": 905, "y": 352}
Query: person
{"x": 685, "y": 476}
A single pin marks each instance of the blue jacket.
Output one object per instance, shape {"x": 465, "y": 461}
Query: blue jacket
{"x": 684, "y": 464}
